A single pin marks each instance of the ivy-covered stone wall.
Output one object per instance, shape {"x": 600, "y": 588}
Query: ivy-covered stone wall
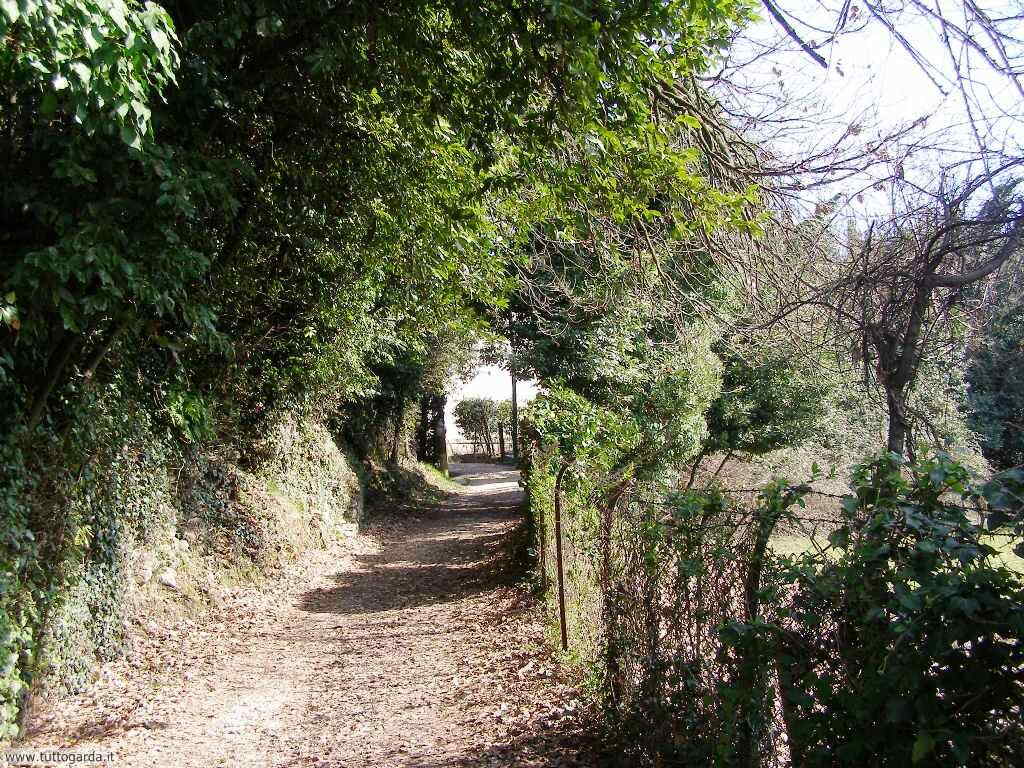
{"x": 160, "y": 532}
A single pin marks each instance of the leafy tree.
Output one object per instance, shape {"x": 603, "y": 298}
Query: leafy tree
{"x": 102, "y": 62}
{"x": 768, "y": 401}
{"x": 995, "y": 376}
{"x": 477, "y": 419}
{"x": 505, "y": 415}
{"x": 901, "y": 299}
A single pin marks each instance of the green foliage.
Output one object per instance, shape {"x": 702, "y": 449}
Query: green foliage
{"x": 996, "y": 380}
{"x": 221, "y": 212}
{"x": 907, "y": 635}
{"x": 767, "y": 402}
{"x": 505, "y": 415}
{"x": 477, "y": 419}
{"x": 191, "y": 414}
{"x": 99, "y": 64}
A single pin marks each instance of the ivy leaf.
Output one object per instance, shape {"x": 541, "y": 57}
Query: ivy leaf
{"x": 83, "y": 71}
{"x": 923, "y": 746}
{"x": 49, "y": 104}
{"x": 840, "y": 538}
{"x": 130, "y": 136}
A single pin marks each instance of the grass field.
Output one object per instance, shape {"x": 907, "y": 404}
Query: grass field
{"x": 796, "y": 545}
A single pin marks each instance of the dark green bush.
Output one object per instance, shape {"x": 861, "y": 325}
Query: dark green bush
{"x": 898, "y": 642}
{"x": 904, "y": 642}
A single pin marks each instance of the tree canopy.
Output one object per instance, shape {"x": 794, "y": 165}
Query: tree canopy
{"x": 214, "y": 214}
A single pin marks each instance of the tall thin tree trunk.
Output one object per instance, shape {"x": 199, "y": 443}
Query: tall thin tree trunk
{"x": 751, "y": 680}
{"x": 54, "y": 368}
{"x": 559, "y": 564}
{"x": 396, "y": 443}
{"x": 423, "y": 428}
{"x": 693, "y": 470}
{"x": 440, "y": 436}
{"x": 725, "y": 459}
{"x": 791, "y": 667}
{"x": 515, "y": 420}
{"x": 542, "y": 539}
{"x": 613, "y": 667}
{"x": 110, "y": 338}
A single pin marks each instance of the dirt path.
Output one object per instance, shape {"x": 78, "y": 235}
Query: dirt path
{"x": 413, "y": 650}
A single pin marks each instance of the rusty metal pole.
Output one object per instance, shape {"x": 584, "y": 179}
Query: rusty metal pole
{"x": 558, "y": 554}
{"x": 542, "y": 535}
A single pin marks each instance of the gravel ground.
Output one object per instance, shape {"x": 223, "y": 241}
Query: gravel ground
{"x": 412, "y": 646}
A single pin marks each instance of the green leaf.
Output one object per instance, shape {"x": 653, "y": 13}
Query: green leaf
{"x": 92, "y": 38}
{"x": 49, "y": 104}
{"x": 840, "y": 537}
{"x": 130, "y": 136}
{"x": 159, "y": 39}
{"x": 923, "y": 746}
{"x": 83, "y": 71}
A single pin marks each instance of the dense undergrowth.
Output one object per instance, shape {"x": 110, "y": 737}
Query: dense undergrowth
{"x": 153, "y": 529}
{"x": 896, "y": 638}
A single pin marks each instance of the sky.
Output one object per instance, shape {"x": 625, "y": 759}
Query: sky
{"x": 874, "y": 83}
{"x": 489, "y": 381}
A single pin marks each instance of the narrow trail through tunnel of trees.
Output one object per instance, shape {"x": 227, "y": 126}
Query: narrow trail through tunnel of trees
{"x": 416, "y": 650}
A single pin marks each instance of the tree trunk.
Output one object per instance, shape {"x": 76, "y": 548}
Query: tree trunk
{"x": 725, "y": 459}
{"x": 559, "y": 565}
{"x": 791, "y": 667}
{"x": 59, "y": 359}
{"x": 899, "y": 428}
{"x": 501, "y": 440}
{"x": 752, "y": 665}
{"x": 396, "y": 442}
{"x": 111, "y": 337}
{"x": 613, "y": 667}
{"x": 542, "y": 539}
{"x": 423, "y": 428}
{"x": 440, "y": 437}
{"x": 515, "y": 421}
{"x": 488, "y": 440}
{"x": 693, "y": 470}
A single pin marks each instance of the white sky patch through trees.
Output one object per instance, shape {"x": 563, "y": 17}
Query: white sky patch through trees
{"x": 953, "y": 99}
{"x": 488, "y": 381}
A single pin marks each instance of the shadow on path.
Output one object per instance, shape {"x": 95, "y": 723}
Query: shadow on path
{"x": 443, "y": 553}
{"x": 409, "y": 648}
